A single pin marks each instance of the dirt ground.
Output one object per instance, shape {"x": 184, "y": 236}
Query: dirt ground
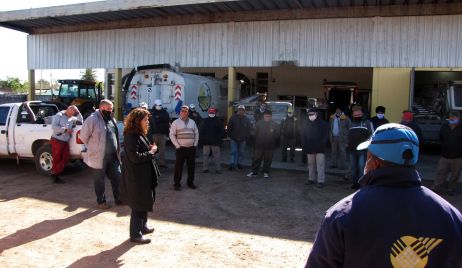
{"x": 229, "y": 221}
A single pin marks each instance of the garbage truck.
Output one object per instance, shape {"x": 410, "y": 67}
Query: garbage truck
{"x": 150, "y": 82}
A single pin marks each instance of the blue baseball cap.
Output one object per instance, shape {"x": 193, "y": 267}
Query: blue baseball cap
{"x": 393, "y": 143}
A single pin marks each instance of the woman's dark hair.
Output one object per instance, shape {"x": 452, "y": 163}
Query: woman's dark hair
{"x": 132, "y": 123}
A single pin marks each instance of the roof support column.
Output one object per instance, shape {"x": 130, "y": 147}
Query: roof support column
{"x": 117, "y": 94}
{"x": 231, "y": 89}
{"x": 31, "y": 78}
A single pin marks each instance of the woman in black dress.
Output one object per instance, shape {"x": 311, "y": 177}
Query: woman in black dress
{"x": 139, "y": 173}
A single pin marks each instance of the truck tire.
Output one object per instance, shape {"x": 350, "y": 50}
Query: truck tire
{"x": 43, "y": 159}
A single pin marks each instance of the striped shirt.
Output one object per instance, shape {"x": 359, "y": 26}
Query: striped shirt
{"x": 184, "y": 133}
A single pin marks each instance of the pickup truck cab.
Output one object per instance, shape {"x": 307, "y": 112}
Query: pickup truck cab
{"x": 25, "y": 133}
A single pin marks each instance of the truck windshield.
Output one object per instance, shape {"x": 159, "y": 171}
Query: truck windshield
{"x": 77, "y": 91}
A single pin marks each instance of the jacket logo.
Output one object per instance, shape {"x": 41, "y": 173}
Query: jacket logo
{"x": 409, "y": 251}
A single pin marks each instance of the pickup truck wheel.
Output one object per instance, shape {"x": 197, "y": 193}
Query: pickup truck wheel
{"x": 43, "y": 159}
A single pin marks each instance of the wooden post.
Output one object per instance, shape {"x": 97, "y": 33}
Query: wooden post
{"x": 118, "y": 95}
{"x": 231, "y": 87}
{"x": 31, "y": 93}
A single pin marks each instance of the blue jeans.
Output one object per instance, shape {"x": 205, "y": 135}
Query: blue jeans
{"x": 357, "y": 163}
{"x": 111, "y": 169}
{"x": 237, "y": 151}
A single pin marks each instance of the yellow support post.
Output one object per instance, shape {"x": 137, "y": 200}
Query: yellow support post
{"x": 118, "y": 114}
{"x": 231, "y": 87}
{"x": 31, "y": 78}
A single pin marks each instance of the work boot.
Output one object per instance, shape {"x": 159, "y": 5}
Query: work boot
{"x": 56, "y": 179}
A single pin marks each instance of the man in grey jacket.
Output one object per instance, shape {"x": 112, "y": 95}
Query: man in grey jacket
{"x": 63, "y": 126}
{"x": 100, "y": 135}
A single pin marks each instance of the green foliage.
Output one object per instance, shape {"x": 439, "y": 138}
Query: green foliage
{"x": 16, "y": 85}
{"x": 89, "y": 75}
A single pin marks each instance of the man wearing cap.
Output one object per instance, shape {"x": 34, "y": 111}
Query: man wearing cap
{"x": 315, "y": 136}
{"x": 185, "y": 137}
{"x": 407, "y": 119}
{"x": 159, "y": 125}
{"x": 289, "y": 133}
{"x": 392, "y": 221}
{"x": 360, "y": 130}
{"x": 211, "y": 133}
{"x": 238, "y": 128}
{"x": 451, "y": 153}
{"x": 194, "y": 115}
{"x": 266, "y": 135}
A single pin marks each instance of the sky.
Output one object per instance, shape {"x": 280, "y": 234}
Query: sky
{"x": 13, "y": 45}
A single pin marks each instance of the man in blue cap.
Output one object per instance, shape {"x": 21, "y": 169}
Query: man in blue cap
{"x": 392, "y": 221}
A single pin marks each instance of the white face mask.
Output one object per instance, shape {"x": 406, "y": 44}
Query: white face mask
{"x": 158, "y": 107}
{"x": 312, "y": 117}
{"x": 380, "y": 116}
{"x": 290, "y": 114}
{"x": 211, "y": 115}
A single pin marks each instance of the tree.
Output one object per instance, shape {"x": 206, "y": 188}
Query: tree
{"x": 16, "y": 85}
{"x": 42, "y": 84}
{"x": 89, "y": 75}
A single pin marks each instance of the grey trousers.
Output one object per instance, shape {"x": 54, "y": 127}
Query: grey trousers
{"x": 317, "y": 164}
{"x": 338, "y": 157}
{"x": 444, "y": 167}
{"x": 262, "y": 154}
{"x": 216, "y": 155}
{"x": 160, "y": 140}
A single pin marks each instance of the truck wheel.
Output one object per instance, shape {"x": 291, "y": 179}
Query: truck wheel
{"x": 43, "y": 159}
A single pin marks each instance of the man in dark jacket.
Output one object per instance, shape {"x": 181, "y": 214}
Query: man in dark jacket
{"x": 407, "y": 119}
{"x": 266, "y": 135}
{"x": 451, "y": 153}
{"x": 315, "y": 136}
{"x": 211, "y": 133}
{"x": 392, "y": 221}
{"x": 289, "y": 132}
{"x": 379, "y": 118}
{"x": 361, "y": 130}
{"x": 159, "y": 125}
{"x": 194, "y": 115}
{"x": 258, "y": 113}
{"x": 239, "y": 128}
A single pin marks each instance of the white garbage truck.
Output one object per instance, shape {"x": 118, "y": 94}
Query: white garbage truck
{"x": 150, "y": 82}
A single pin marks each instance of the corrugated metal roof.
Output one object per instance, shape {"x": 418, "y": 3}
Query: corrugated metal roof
{"x": 113, "y": 11}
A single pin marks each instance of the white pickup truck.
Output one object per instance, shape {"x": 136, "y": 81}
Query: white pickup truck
{"x": 25, "y": 132}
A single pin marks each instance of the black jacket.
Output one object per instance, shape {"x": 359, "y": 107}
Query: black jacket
{"x": 212, "y": 131}
{"x": 266, "y": 135}
{"x": 289, "y": 128}
{"x": 139, "y": 173}
{"x": 159, "y": 122}
{"x": 314, "y": 136}
{"x": 376, "y": 122}
{"x": 416, "y": 129}
{"x": 451, "y": 141}
{"x": 239, "y": 127}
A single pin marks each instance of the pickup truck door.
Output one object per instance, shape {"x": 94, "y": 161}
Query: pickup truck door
{"x": 5, "y": 112}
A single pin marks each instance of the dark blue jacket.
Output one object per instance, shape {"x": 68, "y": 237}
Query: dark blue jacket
{"x": 159, "y": 122}
{"x": 390, "y": 216}
{"x": 212, "y": 131}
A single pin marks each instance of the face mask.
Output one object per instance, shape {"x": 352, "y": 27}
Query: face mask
{"x": 338, "y": 114}
{"x": 158, "y": 107}
{"x": 312, "y": 117}
{"x": 290, "y": 114}
{"x": 262, "y": 108}
{"x": 106, "y": 114}
{"x": 453, "y": 122}
{"x": 211, "y": 115}
{"x": 357, "y": 119}
{"x": 380, "y": 116}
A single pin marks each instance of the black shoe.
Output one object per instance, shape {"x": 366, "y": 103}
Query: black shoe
{"x": 56, "y": 179}
{"x": 177, "y": 187}
{"x": 205, "y": 171}
{"x": 239, "y": 166}
{"x": 192, "y": 185}
{"x": 140, "y": 240}
{"x": 230, "y": 168}
{"x": 309, "y": 182}
{"x": 320, "y": 185}
{"x": 355, "y": 186}
{"x": 118, "y": 202}
{"x": 147, "y": 230}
